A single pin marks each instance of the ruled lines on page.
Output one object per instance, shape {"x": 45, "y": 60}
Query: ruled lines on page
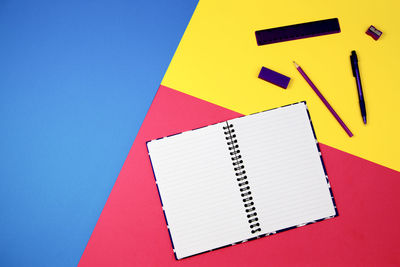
{"x": 200, "y": 196}
{"x": 284, "y": 167}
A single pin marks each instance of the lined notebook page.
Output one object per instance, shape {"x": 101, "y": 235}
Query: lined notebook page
{"x": 284, "y": 168}
{"x": 198, "y": 189}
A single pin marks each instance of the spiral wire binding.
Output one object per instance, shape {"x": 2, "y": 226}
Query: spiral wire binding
{"x": 241, "y": 178}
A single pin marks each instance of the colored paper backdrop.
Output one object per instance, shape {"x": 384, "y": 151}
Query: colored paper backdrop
{"x": 76, "y": 80}
{"x": 218, "y": 60}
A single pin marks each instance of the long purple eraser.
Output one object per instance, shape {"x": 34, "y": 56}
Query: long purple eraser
{"x": 274, "y": 77}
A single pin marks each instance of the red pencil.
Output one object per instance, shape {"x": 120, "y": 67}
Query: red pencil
{"x": 324, "y": 100}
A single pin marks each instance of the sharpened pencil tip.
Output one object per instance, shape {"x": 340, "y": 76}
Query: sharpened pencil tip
{"x": 296, "y": 64}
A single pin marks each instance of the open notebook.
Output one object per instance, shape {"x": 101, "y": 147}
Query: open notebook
{"x": 241, "y": 179}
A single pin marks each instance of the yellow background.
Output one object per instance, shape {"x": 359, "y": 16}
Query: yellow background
{"x": 218, "y": 60}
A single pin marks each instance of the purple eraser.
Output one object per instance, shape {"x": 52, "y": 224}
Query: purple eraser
{"x": 274, "y": 77}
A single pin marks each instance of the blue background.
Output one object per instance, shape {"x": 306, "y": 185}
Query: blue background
{"x": 76, "y": 80}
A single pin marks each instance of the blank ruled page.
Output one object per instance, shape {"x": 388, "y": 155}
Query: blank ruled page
{"x": 199, "y": 191}
{"x": 283, "y": 167}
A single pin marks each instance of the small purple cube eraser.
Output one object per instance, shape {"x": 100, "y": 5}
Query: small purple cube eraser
{"x": 274, "y": 77}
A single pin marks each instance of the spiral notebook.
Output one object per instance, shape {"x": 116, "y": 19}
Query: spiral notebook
{"x": 241, "y": 179}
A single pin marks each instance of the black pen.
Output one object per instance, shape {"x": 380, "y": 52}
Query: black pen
{"x": 356, "y": 74}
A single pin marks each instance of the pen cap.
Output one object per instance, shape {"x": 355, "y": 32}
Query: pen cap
{"x": 354, "y": 56}
{"x": 353, "y": 61}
